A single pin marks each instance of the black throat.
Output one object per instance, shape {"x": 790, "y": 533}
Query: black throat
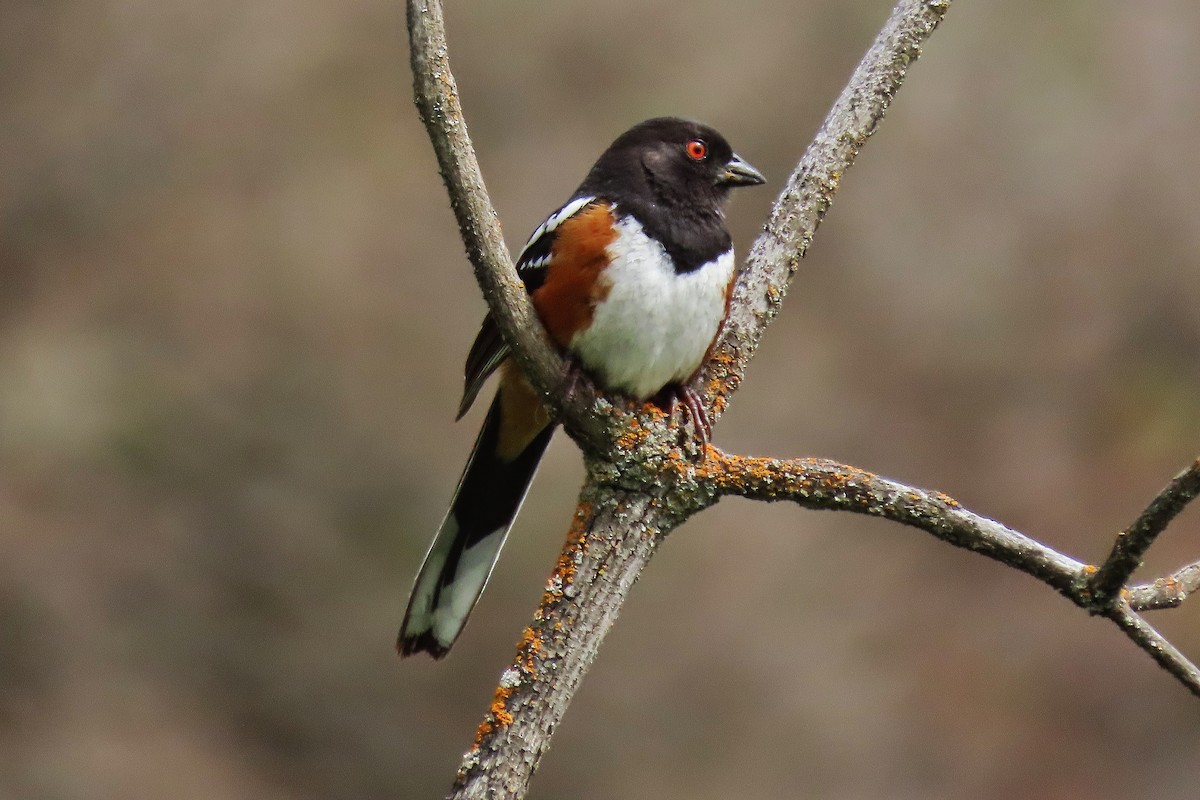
{"x": 692, "y": 236}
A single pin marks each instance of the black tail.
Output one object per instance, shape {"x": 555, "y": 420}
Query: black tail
{"x": 468, "y": 543}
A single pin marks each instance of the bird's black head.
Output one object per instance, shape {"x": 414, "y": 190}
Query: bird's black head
{"x": 672, "y": 163}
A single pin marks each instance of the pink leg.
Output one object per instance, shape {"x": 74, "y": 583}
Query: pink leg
{"x": 695, "y": 407}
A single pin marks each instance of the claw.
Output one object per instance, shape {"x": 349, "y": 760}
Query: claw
{"x": 695, "y": 407}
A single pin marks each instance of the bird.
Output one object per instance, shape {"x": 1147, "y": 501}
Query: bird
{"x": 631, "y": 278}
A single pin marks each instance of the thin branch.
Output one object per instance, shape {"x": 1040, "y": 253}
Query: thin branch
{"x": 1131, "y": 544}
{"x": 827, "y": 485}
{"x": 436, "y": 95}
{"x": 1150, "y": 640}
{"x": 775, "y": 255}
{"x": 821, "y": 484}
{"x": 1166, "y": 592}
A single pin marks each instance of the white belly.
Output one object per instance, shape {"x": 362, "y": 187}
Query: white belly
{"x": 654, "y": 326}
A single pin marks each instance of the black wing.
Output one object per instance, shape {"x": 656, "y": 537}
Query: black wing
{"x": 490, "y": 350}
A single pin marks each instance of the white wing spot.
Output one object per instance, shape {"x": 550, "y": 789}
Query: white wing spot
{"x": 552, "y": 222}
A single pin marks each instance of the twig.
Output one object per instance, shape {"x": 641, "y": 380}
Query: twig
{"x": 1150, "y": 640}
{"x": 820, "y": 484}
{"x": 436, "y": 95}
{"x": 1132, "y": 543}
{"x": 828, "y": 485}
{"x": 1166, "y": 592}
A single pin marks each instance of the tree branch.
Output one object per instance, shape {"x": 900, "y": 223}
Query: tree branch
{"x": 1132, "y": 543}
{"x": 436, "y": 95}
{"x": 827, "y": 485}
{"x": 612, "y": 538}
{"x": 642, "y": 483}
{"x": 535, "y": 691}
{"x": 1166, "y": 592}
{"x": 821, "y": 484}
{"x": 775, "y": 256}
{"x": 1150, "y": 640}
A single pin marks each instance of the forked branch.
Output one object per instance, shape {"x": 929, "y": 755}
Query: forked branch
{"x": 1132, "y": 543}
{"x": 820, "y": 484}
{"x": 642, "y": 483}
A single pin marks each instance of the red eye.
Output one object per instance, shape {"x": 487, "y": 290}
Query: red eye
{"x": 697, "y": 150}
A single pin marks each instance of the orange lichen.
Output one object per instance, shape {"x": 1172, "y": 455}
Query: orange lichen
{"x": 716, "y": 389}
{"x": 771, "y": 478}
{"x": 527, "y": 651}
{"x": 530, "y": 640}
{"x": 635, "y": 436}
{"x": 532, "y": 643}
{"x": 499, "y": 708}
{"x": 498, "y": 716}
{"x": 653, "y": 411}
{"x": 573, "y": 550}
{"x": 725, "y": 381}
{"x": 946, "y": 500}
{"x": 723, "y": 360}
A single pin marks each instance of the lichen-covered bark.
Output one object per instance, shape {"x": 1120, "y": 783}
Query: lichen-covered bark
{"x": 646, "y": 473}
{"x": 612, "y": 537}
{"x": 827, "y": 485}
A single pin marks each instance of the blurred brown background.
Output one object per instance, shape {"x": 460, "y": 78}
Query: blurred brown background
{"x": 233, "y": 314}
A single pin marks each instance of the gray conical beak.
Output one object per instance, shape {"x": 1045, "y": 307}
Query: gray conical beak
{"x": 739, "y": 173}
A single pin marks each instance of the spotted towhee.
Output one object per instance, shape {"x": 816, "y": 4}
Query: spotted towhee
{"x": 631, "y": 277}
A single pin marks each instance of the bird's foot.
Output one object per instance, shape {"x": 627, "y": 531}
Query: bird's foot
{"x": 686, "y": 396}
